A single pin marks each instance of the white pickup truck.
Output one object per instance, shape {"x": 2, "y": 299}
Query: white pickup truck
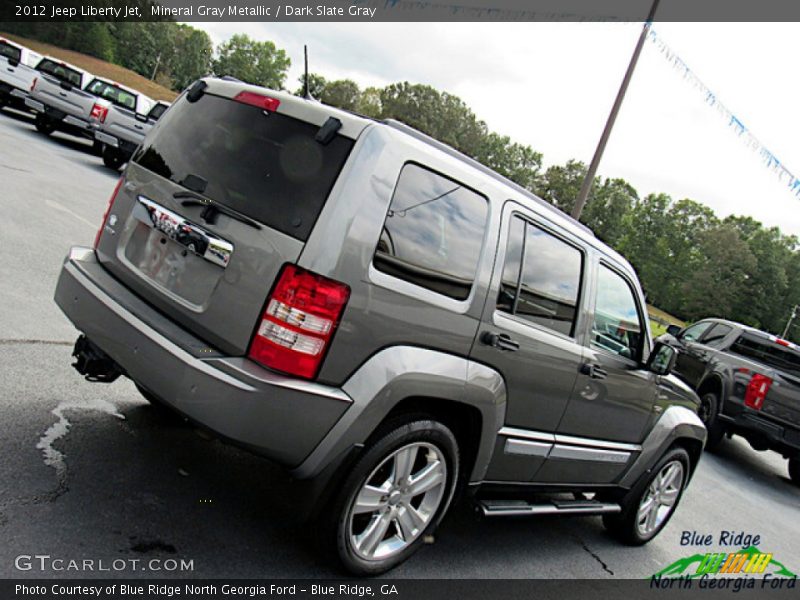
{"x": 17, "y": 72}
{"x": 121, "y": 130}
{"x": 58, "y": 99}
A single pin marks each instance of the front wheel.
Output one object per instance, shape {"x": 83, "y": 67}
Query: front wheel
{"x": 394, "y": 496}
{"x": 650, "y": 504}
{"x": 794, "y": 470}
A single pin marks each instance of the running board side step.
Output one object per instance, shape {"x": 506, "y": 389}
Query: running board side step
{"x": 511, "y": 508}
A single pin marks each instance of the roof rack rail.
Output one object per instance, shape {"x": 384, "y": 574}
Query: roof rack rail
{"x": 400, "y": 126}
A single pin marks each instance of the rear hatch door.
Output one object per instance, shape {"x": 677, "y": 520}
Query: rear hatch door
{"x": 220, "y": 195}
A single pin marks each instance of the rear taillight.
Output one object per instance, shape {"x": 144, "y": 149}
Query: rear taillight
{"x": 300, "y": 318}
{"x": 265, "y": 102}
{"x": 33, "y": 83}
{"x": 757, "y": 390}
{"x": 99, "y": 112}
{"x": 105, "y": 214}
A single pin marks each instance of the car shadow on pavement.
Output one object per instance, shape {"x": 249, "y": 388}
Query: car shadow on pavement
{"x": 61, "y": 139}
{"x": 158, "y": 489}
{"x": 757, "y": 465}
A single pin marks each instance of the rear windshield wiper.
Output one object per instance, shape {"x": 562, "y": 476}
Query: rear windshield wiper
{"x": 211, "y": 208}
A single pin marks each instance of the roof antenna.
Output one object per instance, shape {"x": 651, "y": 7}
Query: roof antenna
{"x": 307, "y": 92}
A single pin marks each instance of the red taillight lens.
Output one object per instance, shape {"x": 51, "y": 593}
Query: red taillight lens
{"x": 299, "y": 321}
{"x": 757, "y": 390}
{"x": 99, "y": 112}
{"x": 105, "y": 214}
{"x": 264, "y": 102}
{"x": 33, "y": 83}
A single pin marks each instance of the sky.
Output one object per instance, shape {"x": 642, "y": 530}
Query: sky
{"x": 552, "y": 85}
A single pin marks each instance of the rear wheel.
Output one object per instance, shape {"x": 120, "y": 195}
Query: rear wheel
{"x": 44, "y": 124}
{"x": 709, "y": 414}
{"x": 650, "y": 504}
{"x": 112, "y": 158}
{"x": 794, "y": 470}
{"x": 394, "y": 496}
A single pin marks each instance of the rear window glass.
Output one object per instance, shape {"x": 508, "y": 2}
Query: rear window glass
{"x": 433, "y": 233}
{"x": 59, "y": 71}
{"x": 10, "y": 52}
{"x": 265, "y": 165}
{"x": 112, "y": 93}
{"x": 769, "y": 353}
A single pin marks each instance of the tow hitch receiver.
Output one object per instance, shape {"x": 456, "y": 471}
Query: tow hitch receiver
{"x": 93, "y": 363}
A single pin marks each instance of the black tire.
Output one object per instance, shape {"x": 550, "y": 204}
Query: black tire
{"x": 400, "y": 437}
{"x": 709, "y": 413}
{"x": 794, "y": 470}
{"x": 43, "y": 124}
{"x": 97, "y": 148}
{"x": 625, "y": 526}
{"x": 112, "y": 158}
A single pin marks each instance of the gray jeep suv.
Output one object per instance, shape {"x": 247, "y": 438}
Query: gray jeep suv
{"x": 383, "y": 316}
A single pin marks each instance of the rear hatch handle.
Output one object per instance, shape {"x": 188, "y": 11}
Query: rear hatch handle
{"x": 211, "y": 208}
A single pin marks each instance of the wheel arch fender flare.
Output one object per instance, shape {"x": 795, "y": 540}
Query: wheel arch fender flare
{"x": 677, "y": 424}
{"x": 401, "y": 372}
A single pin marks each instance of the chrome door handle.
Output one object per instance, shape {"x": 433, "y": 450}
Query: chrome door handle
{"x": 499, "y": 340}
{"x": 593, "y": 371}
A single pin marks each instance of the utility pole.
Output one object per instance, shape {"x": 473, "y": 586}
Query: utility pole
{"x": 158, "y": 62}
{"x": 580, "y": 202}
{"x": 795, "y": 314}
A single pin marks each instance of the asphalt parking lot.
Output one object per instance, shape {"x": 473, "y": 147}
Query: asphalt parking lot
{"x": 90, "y": 471}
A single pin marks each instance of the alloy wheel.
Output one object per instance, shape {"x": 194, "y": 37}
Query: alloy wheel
{"x": 397, "y": 501}
{"x": 660, "y": 498}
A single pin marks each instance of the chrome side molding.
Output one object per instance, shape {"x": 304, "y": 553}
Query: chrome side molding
{"x": 548, "y": 445}
{"x": 196, "y": 239}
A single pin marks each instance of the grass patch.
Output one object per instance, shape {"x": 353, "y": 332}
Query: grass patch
{"x": 99, "y": 67}
{"x": 659, "y": 320}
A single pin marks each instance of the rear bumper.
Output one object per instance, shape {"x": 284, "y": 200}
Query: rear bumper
{"x": 764, "y": 433}
{"x": 279, "y": 417}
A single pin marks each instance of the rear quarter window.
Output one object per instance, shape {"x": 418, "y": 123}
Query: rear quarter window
{"x": 265, "y": 165}
{"x": 433, "y": 233}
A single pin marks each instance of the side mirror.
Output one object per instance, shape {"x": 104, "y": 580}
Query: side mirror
{"x": 673, "y": 330}
{"x": 65, "y": 85}
{"x": 662, "y": 359}
{"x": 141, "y": 118}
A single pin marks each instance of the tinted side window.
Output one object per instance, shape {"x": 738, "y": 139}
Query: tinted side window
{"x": 617, "y": 322}
{"x": 695, "y": 331}
{"x": 433, "y": 233}
{"x": 541, "y": 278}
{"x": 716, "y": 334}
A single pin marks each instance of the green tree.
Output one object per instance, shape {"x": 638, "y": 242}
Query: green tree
{"x": 369, "y": 104}
{"x": 439, "y": 114}
{"x": 192, "y": 56}
{"x": 561, "y": 184}
{"x": 316, "y": 85}
{"x": 260, "y": 63}
{"x": 608, "y": 208}
{"x": 342, "y": 93}
{"x": 719, "y": 282}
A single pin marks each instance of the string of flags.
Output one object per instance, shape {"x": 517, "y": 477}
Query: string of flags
{"x": 769, "y": 160}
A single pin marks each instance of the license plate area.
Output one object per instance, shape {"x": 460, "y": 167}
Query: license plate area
{"x": 182, "y": 259}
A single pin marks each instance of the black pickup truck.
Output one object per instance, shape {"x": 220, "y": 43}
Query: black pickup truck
{"x": 748, "y": 381}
